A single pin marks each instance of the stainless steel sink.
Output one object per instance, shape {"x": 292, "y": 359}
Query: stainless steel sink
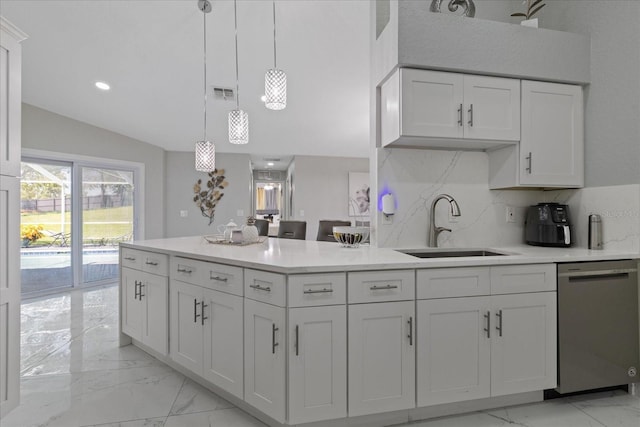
{"x": 422, "y": 253}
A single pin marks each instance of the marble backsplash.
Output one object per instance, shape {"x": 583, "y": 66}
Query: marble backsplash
{"x": 619, "y": 207}
{"x": 416, "y": 177}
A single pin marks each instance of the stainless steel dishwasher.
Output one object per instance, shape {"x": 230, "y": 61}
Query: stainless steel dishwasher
{"x": 597, "y": 325}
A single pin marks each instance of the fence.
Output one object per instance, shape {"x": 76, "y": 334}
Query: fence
{"x": 88, "y": 203}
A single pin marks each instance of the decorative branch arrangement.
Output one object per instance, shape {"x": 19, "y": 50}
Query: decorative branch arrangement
{"x": 208, "y": 198}
{"x": 532, "y": 8}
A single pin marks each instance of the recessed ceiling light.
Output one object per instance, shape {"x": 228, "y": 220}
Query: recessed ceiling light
{"x": 102, "y": 86}
{"x": 270, "y": 164}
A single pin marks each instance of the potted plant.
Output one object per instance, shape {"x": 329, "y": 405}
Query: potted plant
{"x": 30, "y": 233}
{"x": 533, "y": 7}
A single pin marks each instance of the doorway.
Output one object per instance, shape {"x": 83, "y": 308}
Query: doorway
{"x": 73, "y": 216}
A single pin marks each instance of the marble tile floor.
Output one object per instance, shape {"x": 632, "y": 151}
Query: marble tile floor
{"x": 75, "y": 375}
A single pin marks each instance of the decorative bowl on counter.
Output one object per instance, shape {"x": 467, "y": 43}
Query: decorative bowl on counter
{"x": 351, "y": 237}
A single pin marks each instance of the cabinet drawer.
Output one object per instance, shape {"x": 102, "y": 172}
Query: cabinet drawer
{"x": 374, "y": 286}
{"x": 266, "y": 287}
{"x": 155, "y": 263}
{"x": 514, "y": 279}
{"x": 220, "y": 277}
{"x": 131, "y": 258}
{"x": 317, "y": 289}
{"x": 452, "y": 282}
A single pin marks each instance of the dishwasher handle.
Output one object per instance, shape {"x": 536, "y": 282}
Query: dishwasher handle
{"x": 600, "y": 274}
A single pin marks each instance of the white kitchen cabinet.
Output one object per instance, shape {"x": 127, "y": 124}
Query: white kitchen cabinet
{"x": 381, "y": 357}
{"x": 206, "y": 334}
{"x": 449, "y": 110}
{"x": 265, "y": 358}
{"x": 145, "y": 311}
{"x": 523, "y": 343}
{"x": 453, "y": 350}
{"x": 10, "y": 147}
{"x": 551, "y": 150}
{"x": 317, "y": 363}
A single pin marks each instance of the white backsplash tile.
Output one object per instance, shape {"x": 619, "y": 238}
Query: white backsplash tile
{"x": 416, "y": 176}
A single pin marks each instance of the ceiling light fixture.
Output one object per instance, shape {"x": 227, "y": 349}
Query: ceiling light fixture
{"x": 205, "y": 150}
{"x": 238, "y": 119}
{"x": 270, "y": 164}
{"x": 103, "y": 86}
{"x": 275, "y": 80}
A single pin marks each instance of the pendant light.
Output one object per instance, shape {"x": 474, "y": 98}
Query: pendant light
{"x": 238, "y": 119}
{"x": 205, "y": 150}
{"x": 275, "y": 80}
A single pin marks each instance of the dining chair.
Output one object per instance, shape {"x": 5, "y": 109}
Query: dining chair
{"x": 325, "y": 229}
{"x": 292, "y": 230}
{"x": 263, "y": 227}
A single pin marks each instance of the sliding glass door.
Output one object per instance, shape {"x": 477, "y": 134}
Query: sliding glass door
{"x": 73, "y": 217}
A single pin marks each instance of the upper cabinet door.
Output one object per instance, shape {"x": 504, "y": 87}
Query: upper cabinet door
{"x": 10, "y": 99}
{"x": 431, "y": 104}
{"x": 552, "y": 144}
{"x": 491, "y": 108}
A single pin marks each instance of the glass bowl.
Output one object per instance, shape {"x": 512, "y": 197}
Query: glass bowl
{"x": 350, "y": 237}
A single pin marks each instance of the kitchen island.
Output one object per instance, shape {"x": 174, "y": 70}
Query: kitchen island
{"x": 298, "y": 332}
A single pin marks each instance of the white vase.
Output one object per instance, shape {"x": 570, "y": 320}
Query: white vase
{"x": 530, "y": 23}
{"x": 250, "y": 233}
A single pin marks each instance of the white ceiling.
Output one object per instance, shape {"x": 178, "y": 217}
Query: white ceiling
{"x": 151, "y": 53}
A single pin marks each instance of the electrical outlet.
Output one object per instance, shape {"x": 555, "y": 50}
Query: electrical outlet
{"x": 510, "y": 214}
{"x": 387, "y": 219}
{"x": 301, "y": 212}
{"x": 240, "y": 212}
{"x": 184, "y": 214}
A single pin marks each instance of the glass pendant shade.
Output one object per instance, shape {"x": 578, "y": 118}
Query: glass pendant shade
{"x": 205, "y": 156}
{"x": 275, "y": 89}
{"x": 238, "y": 127}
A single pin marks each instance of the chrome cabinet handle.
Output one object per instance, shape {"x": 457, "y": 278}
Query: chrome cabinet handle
{"x": 274, "y": 344}
{"x": 218, "y": 278}
{"x": 184, "y": 270}
{"x": 151, "y": 262}
{"x": 529, "y": 159}
{"x": 410, "y": 336}
{"x": 385, "y": 287}
{"x": 202, "y": 316}
{"x": 260, "y": 288}
{"x": 470, "y": 111}
{"x": 499, "y": 325}
{"x": 488, "y": 328}
{"x": 130, "y": 258}
{"x": 297, "y": 343}
{"x": 135, "y": 289}
{"x": 460, "y": 115}
{"x": 195, "y": 311}
{"x": 317, "y": 291}
{"x": 140, "y": 295}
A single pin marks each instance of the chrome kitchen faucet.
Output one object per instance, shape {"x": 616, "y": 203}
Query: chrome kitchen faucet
{"x": 433, "y": 230}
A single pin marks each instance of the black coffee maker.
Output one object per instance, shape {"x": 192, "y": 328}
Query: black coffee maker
{"x": 548, "y": 224}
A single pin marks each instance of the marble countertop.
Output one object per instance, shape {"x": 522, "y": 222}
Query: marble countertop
{"x": 308, "y": 256}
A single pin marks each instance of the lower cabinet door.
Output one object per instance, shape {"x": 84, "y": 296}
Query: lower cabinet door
{"x": 155, "y": 322}
{"x": 131, "y": 311}
{"x": 381, "y": 357}
{"x": 317, "y": 363}
{"x": 186, "y": 342}
{"x": 265, "y": 357}
{"x": 223, "y": 356}
{"x": 453, "y": 350}
{"x": 523, "y": 343}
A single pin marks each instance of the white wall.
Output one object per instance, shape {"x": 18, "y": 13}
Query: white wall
{"x": 44, "y": 130}
{"x": 321, "y": 188}
{"x": 181, "y": 176}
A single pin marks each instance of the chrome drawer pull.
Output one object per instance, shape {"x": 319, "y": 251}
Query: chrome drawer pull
{"x": 218, "y": 278}
{"x": 410, "y": 336}
{"x": 184, "y": 270}
{"x": 488, "y": 328}
{"x": 297, "y": 344}
{"x": 499, "y": 325}
{"x": 318, "y": 291}
{"x": 382, "y": 288}
{"x": 202, "y": 316}
{"x": 470, "y": 115}
{"x": 460, "y": 115}
{"x": 274, "y": 344}
{"x": 195, "y": 310}
{"x": 260, "y": 288}
{"x": 529, "y": 160}
{"x": 130, "y": 258}
{"x": 151, "y": 263}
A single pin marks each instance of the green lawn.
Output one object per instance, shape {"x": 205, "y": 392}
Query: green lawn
{"x": 100, "y": 225}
